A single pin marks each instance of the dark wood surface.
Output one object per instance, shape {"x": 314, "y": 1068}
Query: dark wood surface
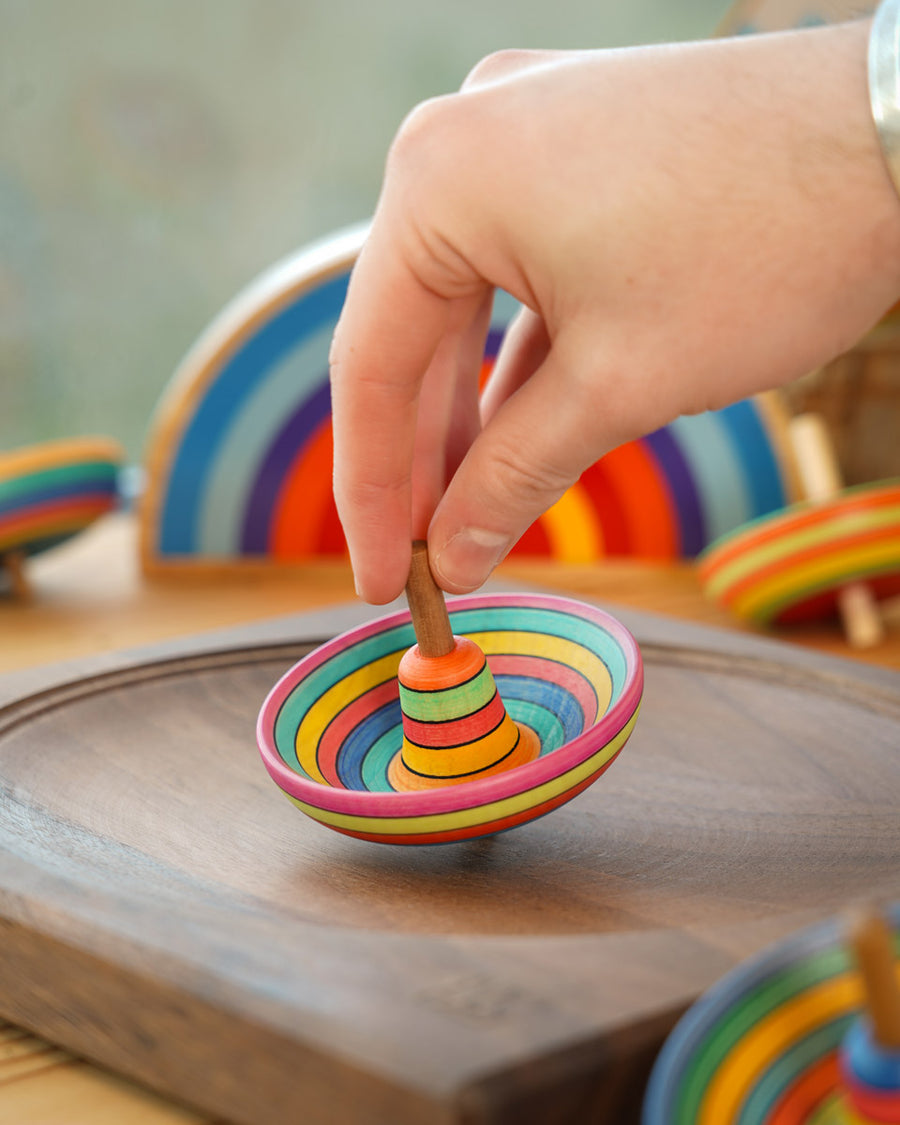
{"x": 165, "y": 911}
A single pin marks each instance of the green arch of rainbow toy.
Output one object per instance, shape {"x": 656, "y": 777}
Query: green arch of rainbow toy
{"x": 238, "y": 460}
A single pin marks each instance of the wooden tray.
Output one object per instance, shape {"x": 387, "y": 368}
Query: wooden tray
{"x": 209, "y": 940}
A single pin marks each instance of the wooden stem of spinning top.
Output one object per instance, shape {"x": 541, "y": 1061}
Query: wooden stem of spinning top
{"x": 870, "y": 1052}
{"x": 427, "y": 607}
{"x": 455, "y": 726}
{"x": 872, "y": 945}
{"x": 821, "y": 480}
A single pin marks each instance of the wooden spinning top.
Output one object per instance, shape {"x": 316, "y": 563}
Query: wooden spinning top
{"x": 455, "y": 725}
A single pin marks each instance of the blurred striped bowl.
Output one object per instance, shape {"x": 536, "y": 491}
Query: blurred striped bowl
{"x": 790, "y": 566}
{"x": 50, "y": 492}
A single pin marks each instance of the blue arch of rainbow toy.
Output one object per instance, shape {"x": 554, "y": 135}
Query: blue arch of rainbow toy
{"x": 254, "y": 390}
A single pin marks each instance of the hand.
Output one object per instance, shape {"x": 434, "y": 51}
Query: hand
{"x": 684, "y": 226}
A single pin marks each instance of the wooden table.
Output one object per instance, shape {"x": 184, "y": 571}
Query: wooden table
{"x": 88, "y": 596}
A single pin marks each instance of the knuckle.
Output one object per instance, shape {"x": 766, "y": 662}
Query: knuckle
{"x": 498, "y": 65}
{"x": 517, "y": 477}
{"x": 424, "y": 135}
{"x": 367, "y": 498}
{"x": 425, "y": 183}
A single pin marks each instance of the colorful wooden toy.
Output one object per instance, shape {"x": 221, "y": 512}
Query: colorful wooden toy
{"x": 331, "y": 728}
{"x": 833, "y": 553}
{"x": 783, "y": 1040}
{"x": 238, "y": 465}
{"x": 455, "y": 725}
{"x": 50, "y": 492}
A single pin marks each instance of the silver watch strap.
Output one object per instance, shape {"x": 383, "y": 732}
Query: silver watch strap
{"x": 884, "y": 82}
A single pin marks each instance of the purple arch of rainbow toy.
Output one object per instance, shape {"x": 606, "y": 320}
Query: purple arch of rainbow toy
{"x": 239, "y": 454}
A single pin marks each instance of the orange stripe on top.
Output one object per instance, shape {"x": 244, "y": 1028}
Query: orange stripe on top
{"x": 442, "y": 673}
{"x": 302, "y": 507}
{"x": 651, "y": 521}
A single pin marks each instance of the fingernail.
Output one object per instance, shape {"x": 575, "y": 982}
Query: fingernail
{"x": 468, "y": 557}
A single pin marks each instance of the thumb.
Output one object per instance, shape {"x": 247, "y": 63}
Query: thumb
{"x": 536, "y": 445}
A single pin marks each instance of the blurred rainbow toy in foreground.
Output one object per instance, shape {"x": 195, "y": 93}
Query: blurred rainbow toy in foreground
{"x": 806, "y": 1034}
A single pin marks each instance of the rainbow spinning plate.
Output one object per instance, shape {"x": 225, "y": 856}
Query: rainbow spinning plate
{"x": 51, "y": 491}
{"x": 790, "y": 566}
{"x": 331, "y": 727}
{"x": 762, "y": 1046}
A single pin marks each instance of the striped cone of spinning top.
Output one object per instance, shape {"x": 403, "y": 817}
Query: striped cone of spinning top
{"x": 455, "y": 725}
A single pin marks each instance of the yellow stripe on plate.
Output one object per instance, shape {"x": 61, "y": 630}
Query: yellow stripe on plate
{"x": 544, "y": 646}
{"x": 478, "y": 814}
{"x": 334, "y": 700}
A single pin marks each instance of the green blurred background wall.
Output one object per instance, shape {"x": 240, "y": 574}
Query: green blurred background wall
{"x": 156, "y": 154}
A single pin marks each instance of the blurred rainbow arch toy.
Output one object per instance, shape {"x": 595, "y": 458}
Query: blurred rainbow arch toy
{"x": 239, "y": 455}
{"x": 750, "y": 16}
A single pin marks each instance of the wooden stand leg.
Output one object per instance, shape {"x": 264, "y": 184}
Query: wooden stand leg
{"x": 14, "y": 564}
{"x": 821, "y": 479}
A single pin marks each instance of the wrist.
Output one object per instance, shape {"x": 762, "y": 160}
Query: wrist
{"x": 866, "y": 219}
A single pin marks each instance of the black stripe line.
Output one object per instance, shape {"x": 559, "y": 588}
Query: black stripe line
{"x": 469, "y": 773}
{"x": 456, "y": 745}
{"x": 439, "y": 722}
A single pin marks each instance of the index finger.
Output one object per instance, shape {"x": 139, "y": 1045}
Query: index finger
{"x": 388, "y": 332}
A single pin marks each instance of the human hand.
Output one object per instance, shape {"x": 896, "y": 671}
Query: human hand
{"x": 684, "y": 226}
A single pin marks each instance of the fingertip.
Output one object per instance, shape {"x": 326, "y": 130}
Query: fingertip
{"x": 382, "y": 579}
{"x": 374, "y": 590}
{"x": 464, "y": 561}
